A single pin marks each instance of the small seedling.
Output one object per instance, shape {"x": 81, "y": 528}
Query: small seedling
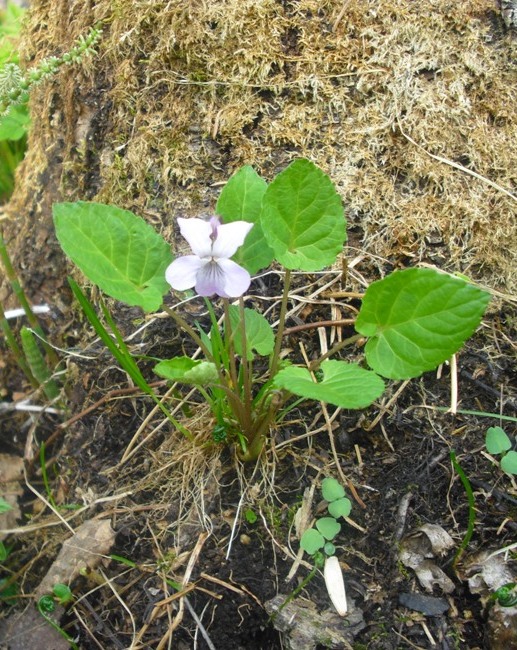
{"x": 250, "y": 516}
{"x": 506, "y": 595}
{"x": 498, "y": 443}
{"x": 320, "y": 538}
{"x": 61, "y": 595}
{"x": 318, "y": 541}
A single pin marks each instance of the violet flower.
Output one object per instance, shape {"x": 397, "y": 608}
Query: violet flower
{"x": 210, "y": 270}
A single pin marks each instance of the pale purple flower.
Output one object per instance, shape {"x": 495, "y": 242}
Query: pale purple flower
{"x": 210, "y": 270}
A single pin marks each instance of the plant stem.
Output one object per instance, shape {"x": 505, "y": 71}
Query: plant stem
{"x": 472, "y": 507}
{"x": 299, "y": 588}
{"x": 15, "y": 348}
{"x": 246, "y": 365}
{"x": 230, "y": 347}
{"x": 281, "y": 324}
{"x": 24, "y": 303}
{"x": 335, "y": 348}
{"x": 182, "y": 323}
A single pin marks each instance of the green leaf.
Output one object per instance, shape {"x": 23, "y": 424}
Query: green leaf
{"x": 340, "y": 507}
{"x": 311, "y": 541}
{"x": 259, "y": 335}
{"x": 188, "y": 371}
{"x": 4, "y": 552}
{"x": 509, "y": 462}
{"x": 302, "y": 218}
{"x": 328, "y": 527}
{"x": 62, "y": 593}
{"x": 344, "y": 384}
{"x": 7, "y": 593}
{"x": 332, "y": 489}
{"x": 14, "y": 125}
{"x": 329, "y": 548}
{"x": 497, "y": 442}
{"x": 4, "y": 506}
{"x": 417, "y": 319}
{"x": 116, "y": 250}
{"x": 241, "y": 200}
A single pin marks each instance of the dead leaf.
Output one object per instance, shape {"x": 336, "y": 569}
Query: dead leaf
{"x": 92, "y": 540}
{"x": 417, "y": 551}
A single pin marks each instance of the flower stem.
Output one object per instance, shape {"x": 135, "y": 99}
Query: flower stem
{"x": 15, "y": 348}
{"x": 335, "y": 348}
{"x": 182, "y": 323}
{"x": 281, "y": 324}
{"x": 247, "y": 369}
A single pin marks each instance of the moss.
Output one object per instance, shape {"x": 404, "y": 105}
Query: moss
{"x": 387, "y": 98}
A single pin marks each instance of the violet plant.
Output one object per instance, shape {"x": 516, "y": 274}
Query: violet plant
{"x": 413, "y": 320}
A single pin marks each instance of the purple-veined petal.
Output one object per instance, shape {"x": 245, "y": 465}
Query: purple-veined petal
{"x": 198, "y": 233}
{"x": 211, "y": 280}
{"x": 236, "y": 279}
{"x": 230, "y": 237}
{"x": 183, "y": 272}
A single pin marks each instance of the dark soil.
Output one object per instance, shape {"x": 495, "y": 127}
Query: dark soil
{"x": 396, "y": 452}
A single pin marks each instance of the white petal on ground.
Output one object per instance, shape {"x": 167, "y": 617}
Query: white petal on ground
{"x": 197, "y": 233}
{"x": 230, "y": 237}
{"x": 335, "y": 584}
{"x": 182, "y": 273}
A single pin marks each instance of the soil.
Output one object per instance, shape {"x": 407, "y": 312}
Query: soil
{"x": 203, "y": 543}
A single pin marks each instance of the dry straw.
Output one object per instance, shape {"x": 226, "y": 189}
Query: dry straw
{"x": 378, "y": 94}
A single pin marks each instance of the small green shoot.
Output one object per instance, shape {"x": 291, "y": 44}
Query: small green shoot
{"x": 506, "y": 595}
{"x": 4, "y": 552}
{"x": 4, "y": 506}
{"x": 123, "y": 560}
{"x": 61, "y": 595}
{"x": 250, "y": 516}
{"x": 472, "y": 507}
{"x": 497, "y": 442}
{"x": 320, "y": 538}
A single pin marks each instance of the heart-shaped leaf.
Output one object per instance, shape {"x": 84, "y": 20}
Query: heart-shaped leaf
{"x": 497, "y": 442}
{"x": 116, "y": 250}
{"x": 241, "y": 199}
{"x": 331, "y": 489}
{"x": 340, "y": 507}
{"x": 188, "y": 371}
{"x": 509, "y": 462}
{"x": 328, "y": 527}
{"x": 15, "y": 123}
{"x": 417, "y": 319}
{"x": 311, "y": 541}
{"x": 344, "y": 384}
{"x": 302, "y": 218}
{"x": 259, "y": 335}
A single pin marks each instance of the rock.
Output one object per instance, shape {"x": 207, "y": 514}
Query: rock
{"x": 428, "y": 605}
{"x": 304, "y": 627}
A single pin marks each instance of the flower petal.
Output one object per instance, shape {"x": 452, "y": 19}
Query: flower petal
{"x": 335, "y": 584}
{"x": 197, "y": 233}
{"x": 211, "y": 280}
{"x": 236, "y": 279}
{"x": 182, "y": 273}
{"x": 230, "y": 236}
